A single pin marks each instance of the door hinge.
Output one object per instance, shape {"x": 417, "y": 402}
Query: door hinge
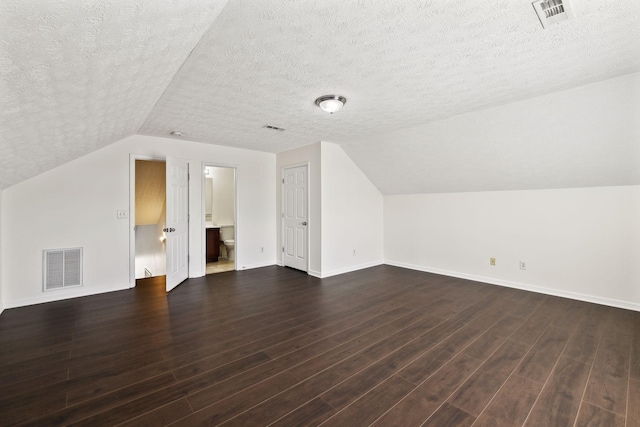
{"x": 283, "y": 180}
{"x": 283, "y": 249}
{"x": 282, "y": 215}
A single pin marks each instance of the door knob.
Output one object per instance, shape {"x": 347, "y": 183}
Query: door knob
{"x": 304, "y": 223}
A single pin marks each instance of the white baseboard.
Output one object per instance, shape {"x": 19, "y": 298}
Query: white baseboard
{"x": 83, "y": 292}
{"x": 258, "y": 265}
{"x": 323, "y": 275}
{"x": 315, "y": 274}
{"x": 522, "y": 286}
{"x": 54, "y": 296}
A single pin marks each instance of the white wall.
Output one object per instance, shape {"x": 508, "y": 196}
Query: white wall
{"x": 345, "y": 210}
{"x": 579, "y": 243}
{"x": 351, "y": 215}
{"x": 208, "y": 191}
{"x": 308, "y": 155}
{"x": 150, "y": 250}
{"x": 222, "y": 195}
{"x": 75, "y": 206}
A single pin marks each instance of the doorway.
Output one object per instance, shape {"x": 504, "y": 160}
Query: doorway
{"x": 150, "y": 219}
{"x": 295, "y": 217}
{"x": 167, "y": 237}
{"x": 219, "y": 203}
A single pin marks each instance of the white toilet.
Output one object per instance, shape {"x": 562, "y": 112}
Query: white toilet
{"x": 227, "y": 237}
{"x": 229, "y": 245}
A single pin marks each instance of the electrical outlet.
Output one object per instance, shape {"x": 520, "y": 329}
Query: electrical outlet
{"x": 122, "y": 214}
{"x": 523, "y": 265}
{"x": 492, "y": 261}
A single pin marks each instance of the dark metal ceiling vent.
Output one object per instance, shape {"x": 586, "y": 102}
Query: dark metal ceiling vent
{"x": 274, "y": 128}
{"x": 552, "y": 11}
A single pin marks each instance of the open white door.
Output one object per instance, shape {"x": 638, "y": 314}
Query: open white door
{"x": 295, "y": 218}
{"x": 177, "y": 228}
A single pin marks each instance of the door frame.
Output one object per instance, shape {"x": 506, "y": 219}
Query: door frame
{"x": 132, "y": 210}
{"x": 309, "y": 217}
{"x": 203, "y": 230}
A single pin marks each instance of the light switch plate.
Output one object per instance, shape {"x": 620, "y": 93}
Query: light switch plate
{"x": 123, "y": 214}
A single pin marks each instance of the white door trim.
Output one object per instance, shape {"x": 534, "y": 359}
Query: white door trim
{"x": 203, "y": 248}
{"x": 310, "y": 219}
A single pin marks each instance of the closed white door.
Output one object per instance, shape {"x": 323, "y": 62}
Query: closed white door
{"x": 177, "y": 228}
{"x": 295, "y": 217}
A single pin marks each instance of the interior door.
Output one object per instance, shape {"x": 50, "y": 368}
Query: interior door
{"x": 177, "y": 228}
{"x": 295, "y": 218}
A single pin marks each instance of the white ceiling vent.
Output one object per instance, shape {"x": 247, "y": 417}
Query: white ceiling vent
{"x": 552, "y": 11}
{"x": 62, "y": 268}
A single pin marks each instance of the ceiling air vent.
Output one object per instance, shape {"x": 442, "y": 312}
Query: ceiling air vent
{"x": 552, "y": 11}
{"x": 274, "y": 128}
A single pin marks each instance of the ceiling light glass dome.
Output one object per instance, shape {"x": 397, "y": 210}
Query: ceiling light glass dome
{"x": 331, "y": 103}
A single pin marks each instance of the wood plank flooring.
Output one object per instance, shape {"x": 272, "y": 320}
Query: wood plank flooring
{"x": 383, "y": 346}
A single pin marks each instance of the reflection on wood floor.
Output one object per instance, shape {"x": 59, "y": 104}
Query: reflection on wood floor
{"x": 382, "y": 346}
{"x": 221, "y": 266}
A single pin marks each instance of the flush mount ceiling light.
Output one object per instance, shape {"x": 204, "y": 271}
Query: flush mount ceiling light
{"x": 176, "y": 133}
{"x": 331, "y": 103}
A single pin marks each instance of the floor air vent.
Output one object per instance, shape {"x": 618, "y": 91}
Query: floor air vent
{"x": 62, "y": 268}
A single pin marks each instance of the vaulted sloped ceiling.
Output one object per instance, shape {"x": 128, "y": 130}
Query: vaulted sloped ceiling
{"x": 83, "y": 76}
{"x": 79, "y": 75}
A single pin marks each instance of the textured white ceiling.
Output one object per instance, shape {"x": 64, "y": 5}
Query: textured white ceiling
{"x": 400, "y": 63}
{"x": 79, "y": 75}
{"x": 587, "y": 136}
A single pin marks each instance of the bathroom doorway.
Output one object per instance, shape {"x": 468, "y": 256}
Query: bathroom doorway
{"x": 220, "y": 218}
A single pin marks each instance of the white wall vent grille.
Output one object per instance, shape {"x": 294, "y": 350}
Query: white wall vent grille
{"x": 62, "y": 268}
{"x": 552, "y": 11}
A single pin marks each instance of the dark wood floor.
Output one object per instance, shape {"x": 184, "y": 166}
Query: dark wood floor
{"x": 384, "y": 346}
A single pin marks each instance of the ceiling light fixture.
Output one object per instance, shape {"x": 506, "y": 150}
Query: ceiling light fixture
{"x": 176, "y": 133}
{"x": 331, "y": 103}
